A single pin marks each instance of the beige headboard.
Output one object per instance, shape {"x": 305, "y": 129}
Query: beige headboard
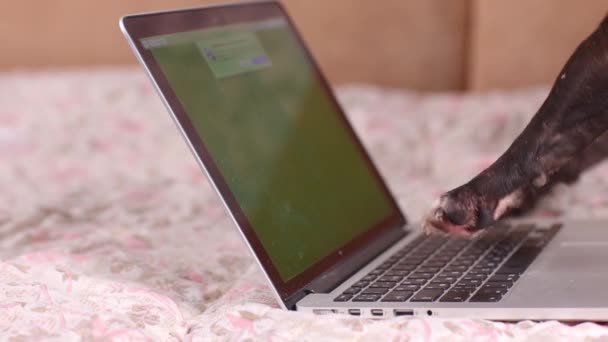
{"x": 419, "y": 44}
{"x": 407, "y": 43}
{"x": 526, "y": 42}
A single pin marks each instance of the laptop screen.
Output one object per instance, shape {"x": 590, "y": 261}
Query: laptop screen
{"x": 281, "y": 145}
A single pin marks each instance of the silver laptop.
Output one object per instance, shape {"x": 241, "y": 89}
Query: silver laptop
{"x": 265, "y": 127}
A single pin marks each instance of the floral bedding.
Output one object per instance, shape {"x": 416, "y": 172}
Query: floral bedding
{"x": 109, "y": 230}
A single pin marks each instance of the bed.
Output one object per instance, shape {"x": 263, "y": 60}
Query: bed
{"x": 108, "y": 230}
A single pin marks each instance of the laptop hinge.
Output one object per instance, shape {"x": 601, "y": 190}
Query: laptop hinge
{"x": 339, "y": 273}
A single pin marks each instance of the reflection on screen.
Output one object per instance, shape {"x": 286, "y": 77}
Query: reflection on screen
{"x": 271, "y": 129}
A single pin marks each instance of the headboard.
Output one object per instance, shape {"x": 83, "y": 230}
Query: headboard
{"x": 400, "y": 43}
{"x": 418, "y": 44}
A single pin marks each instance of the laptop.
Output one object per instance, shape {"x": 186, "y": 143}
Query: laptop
{"x": 264, "y": 125}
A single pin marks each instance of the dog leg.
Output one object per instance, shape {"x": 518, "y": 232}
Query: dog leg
{"x": 555, "y": 145}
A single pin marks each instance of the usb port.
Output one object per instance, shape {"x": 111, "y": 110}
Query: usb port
{"x": 323, "y": 311}
{"x": 354, "y": 312}
{"x": 377, "y": 312}
{"x": 403, "y": 312}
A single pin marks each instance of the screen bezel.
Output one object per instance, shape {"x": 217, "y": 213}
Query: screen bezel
{"x": 141, "y": 26}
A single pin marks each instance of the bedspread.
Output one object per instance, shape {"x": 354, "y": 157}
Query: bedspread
{"x": 109, "y": 230}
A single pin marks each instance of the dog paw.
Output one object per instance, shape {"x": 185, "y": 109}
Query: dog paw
{"x": 464, "y": 213}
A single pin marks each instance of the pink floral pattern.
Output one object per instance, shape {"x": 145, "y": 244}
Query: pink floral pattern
{"x": 108, "y": 230}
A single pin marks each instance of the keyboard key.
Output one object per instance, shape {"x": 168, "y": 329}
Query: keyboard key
{"x": 369, "y": 277}
{"x": 409, "y": 263}
{"x": 442, "y": 258}
{"x": 499, "y": 250}
{"x": 438, "y": 238}
{"x": 407, "y": 288}
{"x": 488, "y": 264}
{"x": 426, "y": 269}
{"x": 451, "y": 251}
{"x": 366, "y": 298}
{"x": 420, "y": 275}
{"x": 480, "y": 276}
{"x": 467, "y": 289}
{"x": 383, "y": 284}
{"x": 479, "y": 272}
{"x": 455, "y": 296}
{"x": 391, "y": 263}
{"x": 425, "y": 251}
{"x": 361, "y": 284}
{"x": 503, "y": 249}
{"x": 504, "y": 285}
{"x": 375, "y": 290}
{"x": 503, "y": 277}
{"x": 352, "y": 290}
{"x": 456, "y": 244}
{"x": 451, "y": 268}
{"x": 485, "y": 297}
{"x": 470, "y": 282}
{"x": 493, "y": 257}
{"x": 433, "y": 286}
{"x": 491, "y": 260}
{"x": 391, "y": 278}
{"x": 493, "y": 290}
{"x": 523, "y": 256}
{"x": 460, "y": 243}
{"x": 444, "y": 280}
{"x": 415, "y": 259}
{"x": 397, "y": 296}
{"x": 393, "y": 273}
{"x": 468, "y": 257}
{"x": 466, "y": 263}
{"x": 471, "y": 255}
{"x": 413, "y": 282}
{"x": 450, "y": 274}
{"x": 474, "y": 250}
{"x": 343, "y": 298}
{"x": 427, "y": 295}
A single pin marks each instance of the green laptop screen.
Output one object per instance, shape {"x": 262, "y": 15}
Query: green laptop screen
{"x": 271, "y": 129}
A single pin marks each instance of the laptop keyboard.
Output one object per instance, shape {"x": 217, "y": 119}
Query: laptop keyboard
{"x": 451, "y": 269}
